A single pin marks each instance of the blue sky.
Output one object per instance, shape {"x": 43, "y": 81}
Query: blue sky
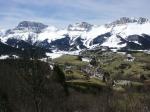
{"x": 63, "y": 12}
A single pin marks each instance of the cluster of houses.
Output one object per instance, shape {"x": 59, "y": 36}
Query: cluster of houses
{"x": 93, "y": 69}
{"x": 129, "y": 58}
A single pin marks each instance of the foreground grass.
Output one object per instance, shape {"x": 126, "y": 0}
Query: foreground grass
{"x": 90, "y": 86}
{"x": 77, "y": 74}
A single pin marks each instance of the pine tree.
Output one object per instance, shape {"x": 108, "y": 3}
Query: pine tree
{"x": 60, "y": 77}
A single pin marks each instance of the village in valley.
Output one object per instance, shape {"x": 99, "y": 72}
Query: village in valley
{"x": 102, "y": 67}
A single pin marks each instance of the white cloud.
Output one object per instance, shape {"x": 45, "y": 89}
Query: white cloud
{"x": 62, "y": 12}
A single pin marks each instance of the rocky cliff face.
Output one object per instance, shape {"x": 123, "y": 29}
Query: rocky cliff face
{"x": 83, "y": 26}
{"x": 31, "y": 26}
{"x": 126, "y": 20}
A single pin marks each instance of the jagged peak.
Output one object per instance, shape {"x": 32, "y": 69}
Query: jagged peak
{"x": 82, "y": 26}
{"x": 142, "y": 20}
{"x": 125, "y": 20}
{"x": 30, "y": 25}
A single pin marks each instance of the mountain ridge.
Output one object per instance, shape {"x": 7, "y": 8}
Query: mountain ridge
{"x": 118, "y": 34}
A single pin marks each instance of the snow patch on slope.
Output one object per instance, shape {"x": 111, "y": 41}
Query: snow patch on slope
{"x": 95, "y": 32}
{"x": 54, "y": 55}
{"x": 113, "y": 41}
{"x": 132, "y": 29}
{"x": 51, "y": 33}
{"x": 4, "y": 57}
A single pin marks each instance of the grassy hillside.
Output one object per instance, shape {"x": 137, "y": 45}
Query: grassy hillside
{"x": 69, "y": 59}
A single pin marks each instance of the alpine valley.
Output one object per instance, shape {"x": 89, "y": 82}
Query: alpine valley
{"x": 82, "y": 68}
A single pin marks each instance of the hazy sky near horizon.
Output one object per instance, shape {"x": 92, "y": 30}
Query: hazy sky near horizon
{"x": 60, "y": 13}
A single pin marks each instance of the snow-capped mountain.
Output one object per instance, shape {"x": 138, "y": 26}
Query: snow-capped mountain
{"x": 127, "y": 33}
{"x": 25, "y": 30}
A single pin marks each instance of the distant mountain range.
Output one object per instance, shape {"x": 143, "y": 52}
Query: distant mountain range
{"x": 124, "y": 33}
